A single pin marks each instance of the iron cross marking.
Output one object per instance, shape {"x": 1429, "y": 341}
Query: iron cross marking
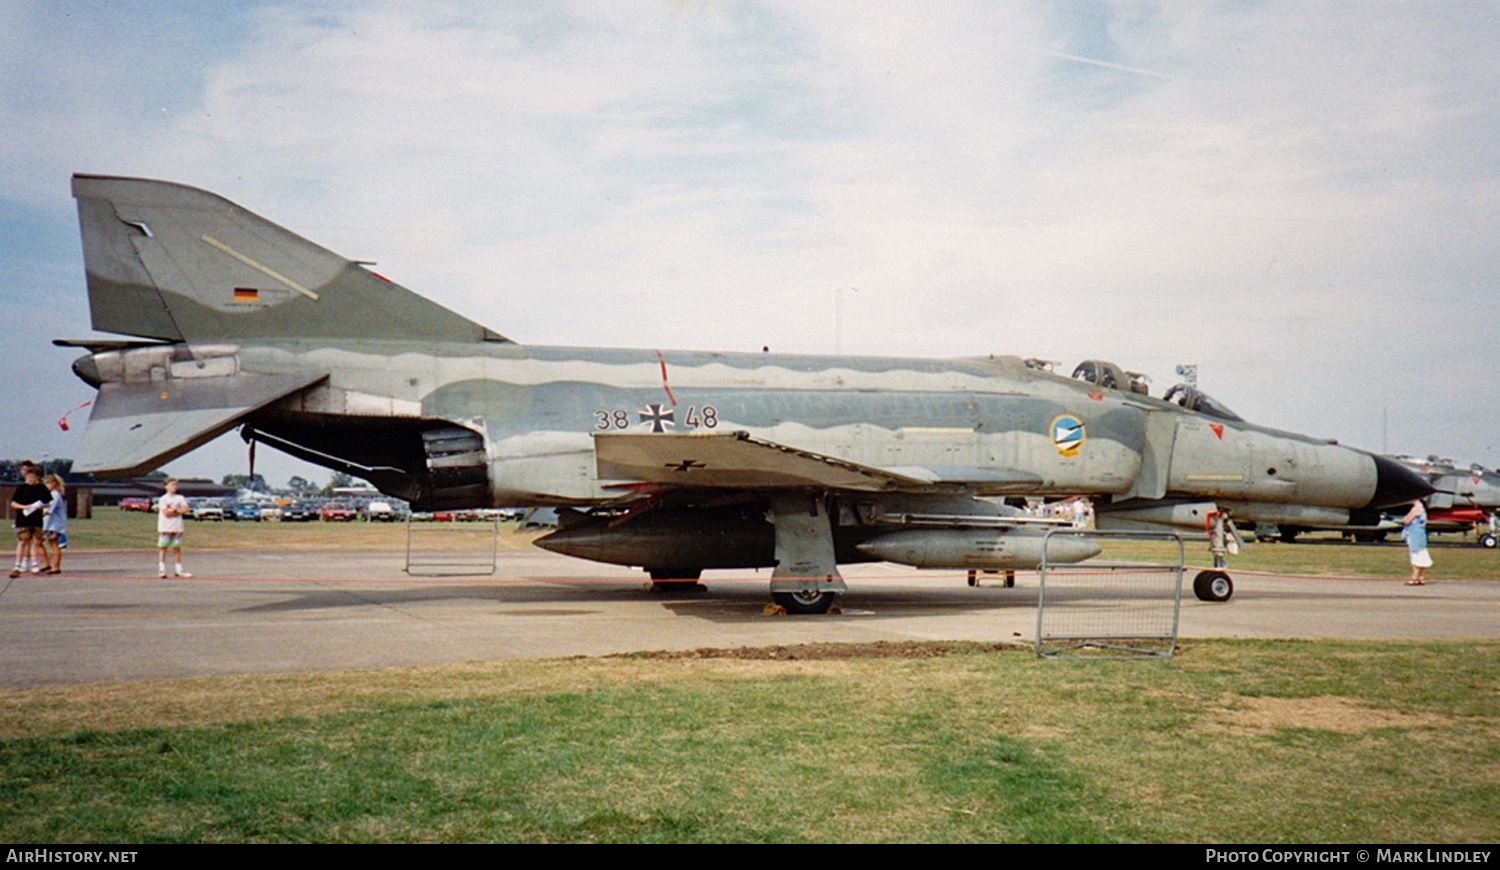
{"x": 685, "y": 465}
{"x": 659, "y": 418}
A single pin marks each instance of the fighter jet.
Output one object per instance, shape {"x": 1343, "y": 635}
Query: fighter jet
{"x": 1463, "y": 498}
{"x": 672, "y": 461}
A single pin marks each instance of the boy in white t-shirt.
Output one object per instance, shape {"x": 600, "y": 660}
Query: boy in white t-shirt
{"x": 169, "y": 528}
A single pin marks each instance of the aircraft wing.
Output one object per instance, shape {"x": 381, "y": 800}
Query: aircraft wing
{"x": 734, "y": 460}
{"x": 136, "y": 427}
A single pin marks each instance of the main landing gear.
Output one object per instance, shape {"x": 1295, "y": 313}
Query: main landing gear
{"x": 806, "y": 578}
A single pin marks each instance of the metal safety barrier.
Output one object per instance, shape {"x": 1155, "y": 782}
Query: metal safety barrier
{"x": 1111, "y": 607}
{"x": 453, "y": 548}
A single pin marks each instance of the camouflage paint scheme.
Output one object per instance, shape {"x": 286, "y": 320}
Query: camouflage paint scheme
{"x": 246, "y": 324}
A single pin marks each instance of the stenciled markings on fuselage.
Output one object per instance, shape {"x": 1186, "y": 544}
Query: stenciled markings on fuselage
{"x": 657, "y": 417}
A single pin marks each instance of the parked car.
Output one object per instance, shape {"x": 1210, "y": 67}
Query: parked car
{"x": 245, "y": 510}
{"x": 203, "y": 509}
{"x": 380, "y": 512}
{"x": 302, "y": 511}
{"x": 336, "y": 512}
{"x": 270, "y": 513}
{"x": 134, "y": 503}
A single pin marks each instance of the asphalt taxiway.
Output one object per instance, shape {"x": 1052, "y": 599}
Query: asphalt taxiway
{"x": 110, "y": 618}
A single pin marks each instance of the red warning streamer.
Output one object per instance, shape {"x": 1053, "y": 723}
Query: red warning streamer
{"x": 663, "y": 361}
{"x": 62, "y": 423}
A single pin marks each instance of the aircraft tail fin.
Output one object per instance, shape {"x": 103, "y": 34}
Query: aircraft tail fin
{"x": 173, "y": 262}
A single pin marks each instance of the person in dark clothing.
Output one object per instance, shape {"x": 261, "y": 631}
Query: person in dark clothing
{"x": 28, "y": 509}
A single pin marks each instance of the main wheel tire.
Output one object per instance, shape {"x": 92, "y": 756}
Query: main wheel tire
{"x": 804, "y": 602}
{"x": 1213, "y": 586}
{"x": 1488, "y": 541}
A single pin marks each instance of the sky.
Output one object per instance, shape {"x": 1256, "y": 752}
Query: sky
{"x": 1302, "y": 199}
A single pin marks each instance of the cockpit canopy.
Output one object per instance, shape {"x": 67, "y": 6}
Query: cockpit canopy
{"x": 1110, "y": 376}
{"x": 1191, "y": 398}
{"x": 1105, "y": 374}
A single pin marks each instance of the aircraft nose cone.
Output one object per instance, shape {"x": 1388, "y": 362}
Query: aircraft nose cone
{"x": 1396, "y": 484}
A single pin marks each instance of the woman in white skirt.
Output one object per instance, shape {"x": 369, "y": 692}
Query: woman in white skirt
{"x": 1414, "y": 530}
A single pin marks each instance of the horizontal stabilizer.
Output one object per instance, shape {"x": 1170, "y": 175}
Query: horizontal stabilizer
{"x": 136, "y": 427}
{"x": 734, "y": 460}
{"x": 99, "y": 345}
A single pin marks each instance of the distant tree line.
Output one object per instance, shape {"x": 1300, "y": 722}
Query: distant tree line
{"x": 297, "y": 485}
{"x": 10, "y": 472}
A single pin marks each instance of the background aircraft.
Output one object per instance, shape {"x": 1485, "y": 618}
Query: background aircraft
{"x": 1463, "y": 500}
{"x": 675, "y": 461}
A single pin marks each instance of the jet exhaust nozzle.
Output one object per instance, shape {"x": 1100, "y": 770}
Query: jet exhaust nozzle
{"x": 87, "y": 370}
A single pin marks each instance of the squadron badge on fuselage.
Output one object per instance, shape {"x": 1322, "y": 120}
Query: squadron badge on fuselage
{"x": 1068, "y": 434}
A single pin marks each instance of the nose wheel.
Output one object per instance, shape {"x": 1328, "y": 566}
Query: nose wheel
{"x": 1213, "y": 586}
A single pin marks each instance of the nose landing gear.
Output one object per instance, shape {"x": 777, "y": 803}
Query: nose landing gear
{"x": 1223, "y": 539}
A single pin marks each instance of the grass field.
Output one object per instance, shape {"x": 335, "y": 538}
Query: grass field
{"x": 1231, "y": 741}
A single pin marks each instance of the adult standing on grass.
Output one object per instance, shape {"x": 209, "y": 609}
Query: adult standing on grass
{"x": 1414, "y": 530}
{"x": 169, "y": 528}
